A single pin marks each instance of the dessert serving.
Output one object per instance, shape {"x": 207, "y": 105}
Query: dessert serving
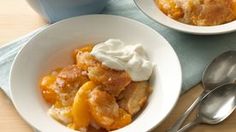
{"x": 61, "y": 66}
{"x": 199, "y": 12}
{"x": 103, "y": 90}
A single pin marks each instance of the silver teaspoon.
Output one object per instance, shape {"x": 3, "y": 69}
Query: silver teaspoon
{"x": 215, "y": 107}
{"x": 222, "y": 70}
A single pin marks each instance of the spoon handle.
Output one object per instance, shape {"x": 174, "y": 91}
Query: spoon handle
{"x": 190, "y": 125}
{"x": 182, "y": 118}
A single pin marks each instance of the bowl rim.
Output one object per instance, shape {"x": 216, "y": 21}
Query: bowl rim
{"x": 190, "y": 29}
{"x": 179, "y": 67}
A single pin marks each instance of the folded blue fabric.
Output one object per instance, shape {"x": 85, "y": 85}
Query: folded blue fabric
{"x": 8, "y": 54}
{"x": 194, "y": 52}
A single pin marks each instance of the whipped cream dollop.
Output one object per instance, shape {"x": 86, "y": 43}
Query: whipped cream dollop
{"x": 117, "y": 55}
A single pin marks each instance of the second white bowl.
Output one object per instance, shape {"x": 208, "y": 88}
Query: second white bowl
{"x": 149, "y": 8}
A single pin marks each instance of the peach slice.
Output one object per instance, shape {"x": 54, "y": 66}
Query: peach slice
{"x": 80, "y": 113}
{"x": 105, "y": 110}
{"x": 46, "y": 88}
{"x": 123, "y": 120}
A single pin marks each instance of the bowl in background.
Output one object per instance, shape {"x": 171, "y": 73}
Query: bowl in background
{"x": 149, "y": 8}
{"x": 55, "y": 10}
{"x": 52, "y": 48}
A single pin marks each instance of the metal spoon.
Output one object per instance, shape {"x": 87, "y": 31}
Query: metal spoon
{"x": 215, "y": 107}
{"x": 222, "y": 70}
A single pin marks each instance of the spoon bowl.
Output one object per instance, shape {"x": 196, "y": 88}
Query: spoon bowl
{"x": 218, "y": 104}
{"x": 222, "y": 70}
{"x": 215, "y": 107}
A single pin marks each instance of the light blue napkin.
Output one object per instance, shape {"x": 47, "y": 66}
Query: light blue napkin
{"x": 194, "y": 52}
{"x": 7, "y": 55}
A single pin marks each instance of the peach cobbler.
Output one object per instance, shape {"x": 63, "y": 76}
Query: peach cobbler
{"x": 89, "y": 95}
{"x": 199, "y": 12}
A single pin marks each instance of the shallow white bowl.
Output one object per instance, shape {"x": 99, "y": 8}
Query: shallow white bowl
{"x": 52, "y": 48}
{"x": 149, "y": 8}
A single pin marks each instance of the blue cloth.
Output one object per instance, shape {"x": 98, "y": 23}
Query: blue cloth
{"x": 7, "y": 55}
{"x": 194, "y": 52}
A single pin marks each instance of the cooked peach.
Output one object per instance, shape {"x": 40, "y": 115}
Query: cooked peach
{"x": 68, "y": 81}
{"x": 87, "y": 48}
{"x": 199, "y": 12}
{"x": 212, "y": 12}
{"x": 134, "y": 96}
{"x": 85, "y": 60}
{"x": 73, "y": 73}
{"x": 71, "y": 77}
{"x": 61, "y": 114}
{"x": 48, "y": 80}
{"x": 80, "y": 112}
{"x": 103, "y": 108}
{"x": 49, "y": 95}
{"x": 47, "y": 89}
{"x": 170, "y": 8}
{"x": 123, "y": 119}
{"x": 114, "y": 81}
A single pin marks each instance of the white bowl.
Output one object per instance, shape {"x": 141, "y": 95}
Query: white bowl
{"x": 149, "y": 8}
{"x": 52, "y": 48}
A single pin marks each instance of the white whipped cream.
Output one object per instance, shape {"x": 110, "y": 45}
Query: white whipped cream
{"x": 117, "y": 55}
